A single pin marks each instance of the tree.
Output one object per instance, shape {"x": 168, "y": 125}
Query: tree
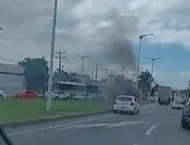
{"x": 156, "y": 88}
{"x": 36, "y": 73}
{"x": 144, "y": 82}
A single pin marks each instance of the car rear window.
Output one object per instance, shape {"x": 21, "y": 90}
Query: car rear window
{"x": 124, "y": 99}
{"x": 178, "y": 101}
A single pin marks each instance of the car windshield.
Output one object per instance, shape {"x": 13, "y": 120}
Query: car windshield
{"x": 122, "y": 98}
{"x": 178, "y": 101}
{"x": 97, "y": 72}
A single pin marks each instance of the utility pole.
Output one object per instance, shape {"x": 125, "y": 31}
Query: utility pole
{"x": 111, "y": 75}
{"x": 48, "y": 105}
{"x": 188, "y": 89}
{"x": 92, "y": 75}
{"x": 96, "y": 75}
{"x": 62, "y": 67}
{"x": 60, "y": 57}
{"x": 106, "y": 71}
{"x": 82, "y": 66}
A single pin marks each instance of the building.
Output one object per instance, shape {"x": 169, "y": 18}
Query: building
{"x": 12, "y": 78}
{"x": 85, "y": 79}
{"x": 112, "y": 78}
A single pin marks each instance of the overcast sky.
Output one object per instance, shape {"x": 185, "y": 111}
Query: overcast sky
{"x": 87, "y": 27}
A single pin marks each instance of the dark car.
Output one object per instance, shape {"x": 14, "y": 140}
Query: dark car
{"x": 163, "y": 101}
{"x": 185, "y": 119}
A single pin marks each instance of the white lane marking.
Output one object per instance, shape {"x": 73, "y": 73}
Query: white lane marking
{"x": 126, "y": 123}
{"x": 20, "y": 132}
{"x": 81, "y": 126}
{"x": 104, "y": 125}
{"x": 76, "y": 122}
{"x": 60, "y": 125}
{"x": 152, "y": 127}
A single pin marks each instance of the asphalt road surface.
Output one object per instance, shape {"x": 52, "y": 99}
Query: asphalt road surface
{"x": 155, "y": 125}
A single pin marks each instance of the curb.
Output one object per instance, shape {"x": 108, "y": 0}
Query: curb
{"x": 46, "y": 120}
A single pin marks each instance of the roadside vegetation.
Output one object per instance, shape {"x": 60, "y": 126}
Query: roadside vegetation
{"x": 17, "y": 109}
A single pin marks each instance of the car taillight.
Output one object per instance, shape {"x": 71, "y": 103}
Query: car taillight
{"x": 132, "y": 104}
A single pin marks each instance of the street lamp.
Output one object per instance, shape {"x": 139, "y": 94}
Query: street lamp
{"x": 122, "y": 69}
{"x": 106, "y": 71}
{"x": 82, "y": 67}
{"x": 48, "y": 105}
{"x": 152, "y": 69}
{"x": 139, "y": 53}
{"x": 153, "y": 61}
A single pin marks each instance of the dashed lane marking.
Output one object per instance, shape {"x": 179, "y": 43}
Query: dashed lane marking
{"x": 59, "y": 125}
{"x": 149, "y": 131}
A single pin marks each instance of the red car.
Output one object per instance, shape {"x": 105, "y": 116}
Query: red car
{"x": 26, "y": 95}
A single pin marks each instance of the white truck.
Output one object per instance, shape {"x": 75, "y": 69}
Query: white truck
{"x": 164, "y": 95}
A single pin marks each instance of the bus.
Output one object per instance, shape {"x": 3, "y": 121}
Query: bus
{"x": 74, "y": 88}
{"x": 71, "y": 87}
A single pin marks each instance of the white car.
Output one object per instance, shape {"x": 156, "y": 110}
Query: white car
{"x": 126, "y": 103}
{"x": 59, "y": 95}
{"x": 2, "y": 94}
{"x": 80, "y": 96}
{"x": 178, "y": 104}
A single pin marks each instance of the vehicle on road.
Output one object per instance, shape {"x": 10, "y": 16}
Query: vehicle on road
{"x": 178, "y": 104}
{"x": 80, "y": 96}
{"x": 2, "y": 94}
{"x": 126, "y": 104}
{"x": 185, "y": 119}
{"x": 29, "y": 94}
{"x": 59, "y": 95}
{"x": 164, "y": 95}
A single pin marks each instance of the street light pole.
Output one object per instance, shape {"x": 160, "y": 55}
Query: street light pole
{"x": 139, "y": 53}
{"x": 106, "y": 71}
{"x": 60, "y": 57}
{"x": 153, "y": 62}
{"x": 82, "y": 67}
{"x": 122, "y": 69}
{"x": 152, "y": 70}
{"x": 48, "y": 105}
{"x": 96, "y": 75}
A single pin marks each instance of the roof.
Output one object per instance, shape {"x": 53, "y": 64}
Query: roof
{"x": 71, "y": 83}
{"x": 11, "y": 68}
{"x": 126, "y": 96}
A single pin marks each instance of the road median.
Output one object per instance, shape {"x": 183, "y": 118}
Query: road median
{"x": 17, "y": 112}
{"x": 31, "y": 112}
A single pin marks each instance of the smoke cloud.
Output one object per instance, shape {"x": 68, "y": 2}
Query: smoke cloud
{"x": 120, "y": 48}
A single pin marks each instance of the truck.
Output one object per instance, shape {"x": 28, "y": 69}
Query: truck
{"x": 164, "y": 95}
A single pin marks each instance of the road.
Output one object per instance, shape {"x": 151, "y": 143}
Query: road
{"x": 155, "y": 125}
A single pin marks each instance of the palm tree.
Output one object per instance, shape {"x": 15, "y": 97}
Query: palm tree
{"x": 144, "y": 81}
